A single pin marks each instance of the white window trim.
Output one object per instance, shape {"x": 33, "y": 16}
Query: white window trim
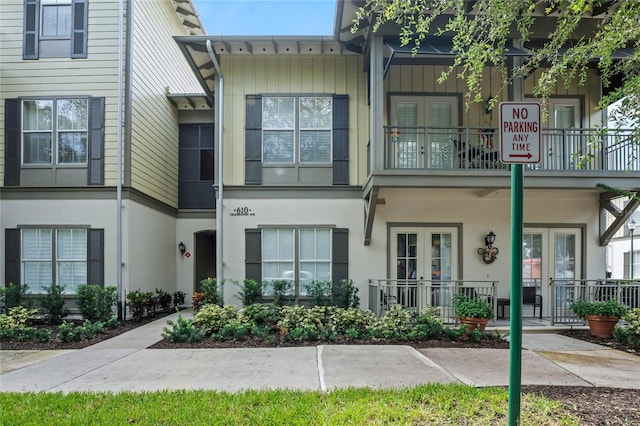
{"x": 296, "y": 133}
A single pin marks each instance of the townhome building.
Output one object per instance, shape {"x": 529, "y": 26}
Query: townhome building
{"x": 346, "y": 157}
{"x": 90, "y": 130}
{"x": 293, "y": 158}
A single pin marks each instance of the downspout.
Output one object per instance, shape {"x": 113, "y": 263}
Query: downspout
{"x": 219, "y": 95}
{"x": 121, "y": 297}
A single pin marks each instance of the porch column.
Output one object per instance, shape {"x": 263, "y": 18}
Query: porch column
{"x": 376, "y": 102}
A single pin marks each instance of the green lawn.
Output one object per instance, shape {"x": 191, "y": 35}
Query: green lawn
{"x": 431, "y": 404}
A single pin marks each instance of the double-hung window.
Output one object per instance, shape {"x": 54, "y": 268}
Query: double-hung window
{"x": 297, "y": 130}
{"x": 56, "y": 19}
{"x": 299, "y": 255}
{"x": 54, "y": 256}
{"x": 55, "y": 131}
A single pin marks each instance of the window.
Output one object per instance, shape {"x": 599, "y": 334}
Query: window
{"x": 42, "y": 265}
{"x": 55, "y": 29}
{"x": 55, "y": 131}
{"x": 627, "y": 267}
{"x": 56, "y": 19}
{"x": 298, "y": 255}
{"x": 196, "y": 167}
{"x": 297, "y": 130}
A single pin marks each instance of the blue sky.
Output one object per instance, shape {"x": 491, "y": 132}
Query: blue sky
{"x": 267, "y": 17}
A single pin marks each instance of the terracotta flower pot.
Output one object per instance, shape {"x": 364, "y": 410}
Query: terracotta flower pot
{"x": 602, "y": 327}
{"x": 473, "y": 323}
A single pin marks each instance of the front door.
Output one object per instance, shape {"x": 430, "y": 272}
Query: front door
{"x": 426, "y": 255}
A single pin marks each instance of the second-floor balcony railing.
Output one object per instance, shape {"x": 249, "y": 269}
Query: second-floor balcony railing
{"x": 479, "y": 148}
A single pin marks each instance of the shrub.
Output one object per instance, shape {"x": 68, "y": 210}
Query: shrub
{"x": 89, "y": 329}
{"x": 394, "y": 324}
{"x": 633, "y": 318}
{"x": 112, "y": 323}
{"x": 211, "y": 318}
{"x": 428, "y": 326}
{"x": 342, "y": 320}
{"x": 17, "y": 318}
{"x": 306, "y": 320}
{"x": 282, "y": 292}
{"x": 198, "y": 300}
{"x": 249, "y": 292}
{"x": 96, "y": 303}
{"x": 67, "y": 332}
{"x": 164, "y": 299}
{"x": 53, "y": 304}
{"x": 212, "y": 295}
{"x": 235, "y": 329}
{"x": 471, "y": 308}
{"x": 14, "y": 295}
{"x": 136, "y": 300}
{"x": 260, "y": 314}
{"x": 611, "y": 307}
{"x": 347, "y": 294}
{"x": 319, "y": 293}
{"x": 182, "y": 330}
{"x": 178, "y": 299}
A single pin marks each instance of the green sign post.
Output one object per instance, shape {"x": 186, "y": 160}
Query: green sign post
{"x": 520, "y": 142}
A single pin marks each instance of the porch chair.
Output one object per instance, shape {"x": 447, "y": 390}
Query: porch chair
{"x": 530, "y": 298}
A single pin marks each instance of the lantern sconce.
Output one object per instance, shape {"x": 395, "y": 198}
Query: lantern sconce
{"x": 182, "y": 248}
{"x": 489, "y": 253}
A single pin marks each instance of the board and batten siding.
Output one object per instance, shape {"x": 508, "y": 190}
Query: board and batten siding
{"x": 424, "y": 79}
{"x": 46, "y": 77}
{"x": 159, "y": 68}
{"x": 296, "y": 74}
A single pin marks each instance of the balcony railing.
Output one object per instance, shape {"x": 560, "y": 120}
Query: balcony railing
{"x": 418, "y": 295}
{"x": 479, "y": 148}
{"x": 565, "y": 292}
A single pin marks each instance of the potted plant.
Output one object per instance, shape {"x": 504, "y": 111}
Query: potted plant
{"x": 475, "y": 313}
{"x": 601, "y": 316}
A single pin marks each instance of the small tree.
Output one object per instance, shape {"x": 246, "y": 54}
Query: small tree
{"x": 282, "y": 291}
{"x": 212, "y": 295}
{"x": 347, "y": 296}
{"x": 249, "y": 292}
{"x": 53, "y": 304}
{"x": 319, "y": 293}
{"x": 96, "y": 303}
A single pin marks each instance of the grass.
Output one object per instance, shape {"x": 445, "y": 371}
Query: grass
{"x": 429, "y": 404}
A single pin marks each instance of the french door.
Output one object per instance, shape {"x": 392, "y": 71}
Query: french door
{"x": 422, "y": 136}
{"x": 554, "y": 253}
{"x": 423, "y": 254}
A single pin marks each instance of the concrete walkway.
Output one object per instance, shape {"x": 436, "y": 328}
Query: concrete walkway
{"x": 124, "y": 364}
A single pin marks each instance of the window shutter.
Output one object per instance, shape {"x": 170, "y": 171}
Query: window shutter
{"x": 95, "y": 256}
{"x": 253, "y": 141}
{"x": 341, "y": 140}
{"x": 79, "y": 19}
{"x": 12, "y": 150}
{"x": 30, "y": 33}
{"x": 96, "y": 141}
{"x": 12, "y": 256}
{"x": 253, "y": 254}
{"x": 340, "y": 258}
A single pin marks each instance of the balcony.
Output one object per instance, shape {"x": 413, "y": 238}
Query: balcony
{"x": 467, "y": 148}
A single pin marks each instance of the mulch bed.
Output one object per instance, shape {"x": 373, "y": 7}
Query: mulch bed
{"x": 593, "y": 405}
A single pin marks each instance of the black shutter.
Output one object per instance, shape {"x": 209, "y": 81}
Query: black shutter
{"x": 626, "y": 262}
{"x": 340, "y": 258}
{"x": 79, "y": 19}
{"x": 96, "y": 141}
{"x": 253, "y": 141}
{"x": 95, "y": 256}
{"x": 30, "y": 32}
{"x": 253, "y": 254}
{"x": 341, "y": 140}
{"x": 12, "y": 150}
{"x": 12, "y": 256}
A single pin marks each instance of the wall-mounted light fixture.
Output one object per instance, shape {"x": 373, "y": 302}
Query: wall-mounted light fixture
{"x": 489, "y": 253}
{"x": 182, "y": 248}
